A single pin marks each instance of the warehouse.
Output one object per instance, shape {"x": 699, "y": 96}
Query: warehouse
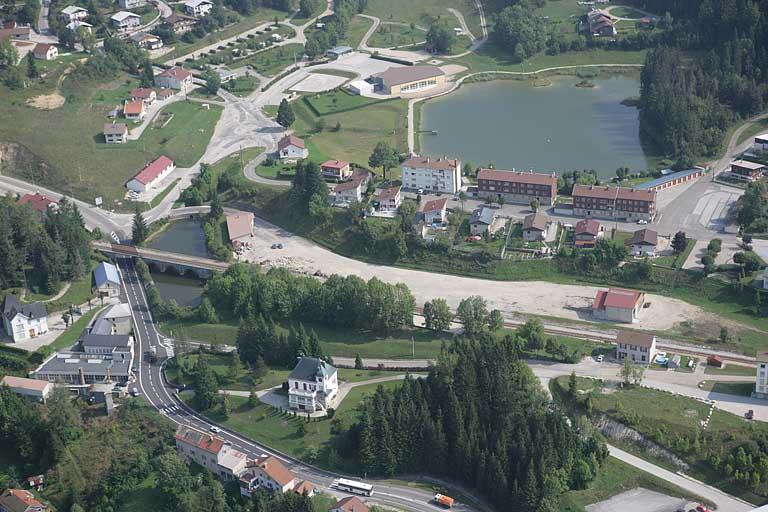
{"x": 408, "y": 79}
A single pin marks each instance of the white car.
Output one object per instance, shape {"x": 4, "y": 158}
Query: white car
{"x": 215, "y": 429}
{"x": 642, "y": 222}
{"x": 599, "y": 358}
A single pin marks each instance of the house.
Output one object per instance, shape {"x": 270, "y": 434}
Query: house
{"x": 20, "y": 500}
{"x": 600, "y": 23}
{"x": 239, "y": 226}
{"x": 408, "y": 79}
{"x": 715, "y": 361}
{"x": 338, "y": 51}
{"x": 31, "y": 389}
{"x": 434, "y": 212}
{"x": 179, "y": 23}
{"x": 586, "y": 233}
{"x": 644, "y": 242}
{"x": 174, "y": 78}
{"x": 761, "y": 142}
{"x": 131, "y": 4}
{"x": 198, "y": 8}
{"x": 76, "y": 25}
{"x": 106, "y": 280}
{"x": 124, "y": 20}
{"x": 349, "y": 504}
{"x": 146, "y": 41}
{"x": 352, "y": 191}
{"x": 225, "y": 75}
{"x": 485, "y": 220}
{"x": 115, "y": 319}
{"x": 638, "y": 346}
{"x": 517, "y": 187}
{"x": 45, "y": 51}
{"x": 117, "y": 346}
{"x": 39, "y": 202}
{"x": 165, "y": 94}
{"x": 746, "y": 171}
{"x": 304, "y": 487}
{"x": 16, "y": 33}
{"x": 674, "y": 362}
{"x": 145, "y": 94}
{"x": 535, "y": 227}
{"x": 24, "y": 321}
{"x": 73, "y": 12}
{"x": 268, "y": 473}
{"x": 291, "y": 147}
{"x": 134, "y": 110}
{"x": 312, "y": 385}
{"x": 672, "y": 179}
{"x": 432, "y": 174}
{"x": 115, "y": 133}
{"x": 151, "y": 175}
{"x": 80, "y": 368}
{"x": 761, "y": 379}
{"x": 614, "y": 203}
{"x": 337, "y": 170}
{"x": 618, "y": 305}
{"x": 387, "y": 200}
{"x": 211, "y": 452}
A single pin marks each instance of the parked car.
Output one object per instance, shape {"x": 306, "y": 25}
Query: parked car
{"x": 135, "y": 392}
{"x": 750, "y": 414}
{"x": 642, "y": 221}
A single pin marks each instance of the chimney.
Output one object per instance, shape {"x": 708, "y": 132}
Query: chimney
{"x": 81, "y": 376}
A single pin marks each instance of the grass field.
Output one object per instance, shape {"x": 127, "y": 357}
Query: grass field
{"x": 69, "y": 337}
{"x": 424, "y": 12}
{"x": 730, "y": 388}
{"x": 357, "y": 28}
{"x": 676, "y": 260}
{"x": 730, "y": 369}
{"x": 278, "y": 171}
{"x": 756, "y": 128}
{"x": 335, "y": 101}
{"x": 389, "y": 35}
{"x": 271, "y": 62}
{"x": 242, "y": 86}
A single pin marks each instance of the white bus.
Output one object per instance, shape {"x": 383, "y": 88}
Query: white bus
{"x": 354, "y": 487}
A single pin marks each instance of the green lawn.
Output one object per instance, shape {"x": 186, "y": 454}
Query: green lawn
{"x": 229, "y": 161}
{"x": 277, "y": 171}
{"x": 78, "y": 293}
{"x": 271, "y": 62}
{"x": 388, "y": 36}
{"x": 424, "y": 12}
{"x": 730, "y": 369}
{"x": 269, "y": 110}
{"x": 242, "y": 86}
{"x": 69, "y": 337}
{"x": 756, "y": 128}
{"x": 730, "y": 388}
{"x": 357, "y": 28}
{"x": 623, "y": 11}
{"x": 336, "y": 101}
{"x": 143, "y": 497}
{"x": 676, "y": 260}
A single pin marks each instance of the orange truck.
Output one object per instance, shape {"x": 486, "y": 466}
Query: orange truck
{"x": 442, "y": 499}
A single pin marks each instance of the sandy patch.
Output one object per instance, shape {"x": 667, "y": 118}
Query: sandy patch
{"x": 318, "y": 82}
{"x": 47, "y": 101}
{"x": 452, "y": 69}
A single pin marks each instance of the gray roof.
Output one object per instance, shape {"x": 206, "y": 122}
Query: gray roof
{"x": 106, "y": 273}
{"x": 537, "y": 221}
{"x": 14, "y": 307}
{"x": 340, "y": 50}
{"x": 310, "y": 368}
{"x": 105, "y": 340}
{"x": 483, "y": 216}
{"x": 115, "y": 129}
{"x": 407, "y": 74}
{"x": 71, "y": 362}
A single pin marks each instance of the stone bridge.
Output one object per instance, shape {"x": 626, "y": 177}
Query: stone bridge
{"x": 163, "y": 260}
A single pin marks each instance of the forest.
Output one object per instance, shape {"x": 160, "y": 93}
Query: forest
{"x": 481, "y": 418}
{"x": 40, "y": 251}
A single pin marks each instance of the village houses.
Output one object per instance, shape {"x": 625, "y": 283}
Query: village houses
{"x": 39, "y": 202}
{"x": 336, "y": 170}
{"x": 535, "y": 227}
{"x": 435, "y": 211}
{"x": 124, "y": 20}
{"x": 352, "y": 191}
{"x": 134, "y": 110}
{"x": 20, "y": 500}
{"x": 198, "y": 8}
{"x": 174, "y": 78}
{"x": 586, "y": 233}
{"x": 644, "y": 242}
{"x": 291, "y": 147}
{"x": 387, "y": 200}
{"x": 485, "y": 220}
{"x": 24, "y": 321}
{"x": 640, "y": 347}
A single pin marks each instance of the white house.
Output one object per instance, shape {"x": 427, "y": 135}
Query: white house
{"x": 24, "y": 321}
{"x": 535, "y": 227}
{"x": 268, "y": 473}
{"x": 174, "y": 78}
{"x": 45, "y": 51}
{"x": 106, "y": 279}
{"x": 76, "y": 25}
{"x": 432, "y": 174}
{"x": 211, "y": 452}
{"x": 115, "y": 133}
{"x": 360, "y": 87}
{"x": 134, "y": 110}
{"x": 485, "y": 220}
{"x": 640, "y": 347}
{"x": 73, "y": 12}
{"x": 291, "y": 147}
{"x": 313, "y": 385}
{"x": 151, "y": 175}
{"x": 434, "y": 212}
{"x": 352, "y": 191}
{"x": 131, "y": 4}
{"x": 388, "y": 200}
{"x": 125, "y": 20}
{"x": 198, "y": 8}
{"x": 644, "y": 242}
{"x": 146, "y": 41}
{"x": 761, "y": 142}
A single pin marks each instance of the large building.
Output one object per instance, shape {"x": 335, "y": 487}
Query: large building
{"x": 115, "y": 319}
{"x": 614, "y": 203}
{"x": 517, "y": 187}
{"x": 151, "y": 175}
{"x": 174, "y": 78}
{"x": 211, "y": 452}
{"x": 79, "y": 368}
{"x": 20, "y": 500}
{"x": 239, "y": 226}
{"x": 408, "y": 79}
{"x": 640, "y": 347}
{"x": 24, "y": 321}
{"x": 618, "y": 305}
{"x": 106, "y": 280}
{"x": 31, "y": 389}
{"x": 313, "y": 385}
{"x": 432, "y": 174}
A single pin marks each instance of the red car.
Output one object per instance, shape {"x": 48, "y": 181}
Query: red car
{"x": 702, "y": 508}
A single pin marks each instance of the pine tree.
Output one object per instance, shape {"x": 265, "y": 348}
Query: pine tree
{"x": 285, "y": 115}
{"x": 31, "y": 66}
{"x": 140, "y": 230}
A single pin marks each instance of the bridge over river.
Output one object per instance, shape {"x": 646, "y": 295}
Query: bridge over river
{"x": 163, "y": 260}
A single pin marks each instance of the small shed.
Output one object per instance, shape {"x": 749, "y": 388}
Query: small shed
{"x": 335, "y": 53}
{"x": 715, "y": 361}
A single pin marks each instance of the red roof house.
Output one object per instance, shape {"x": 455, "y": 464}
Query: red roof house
{"x": 151, "y": 174}
{"x": 618, "y": 305}
{"x": 39, "y": 202}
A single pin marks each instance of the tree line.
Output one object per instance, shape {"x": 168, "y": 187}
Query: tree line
{"x": 334, "y": 31}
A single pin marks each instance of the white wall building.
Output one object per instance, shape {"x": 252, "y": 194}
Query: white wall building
{"x": 125, "y": 20}
{"x": 24, "y": 321}
{"x": 432, "y": 174}
{"x": 761, "y": 142}
{"x": 640, "y": 347}
{"x": 198, "y": 8}
{"x": 291, "y": 147}
{"x": 131, "y": 4}
{"x": 174, "y": 78}
{"x": 313, "y": 385}
{"x": 761, "y": 382}
{"x": 31, "y": 389}
{"x": 151, "y": 175}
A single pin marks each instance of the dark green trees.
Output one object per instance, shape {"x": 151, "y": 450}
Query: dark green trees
{"x": 285, "y": 115}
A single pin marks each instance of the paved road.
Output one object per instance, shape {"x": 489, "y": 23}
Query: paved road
{"x": 152, "y": 385}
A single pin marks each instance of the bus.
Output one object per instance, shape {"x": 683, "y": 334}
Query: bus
{"x": 354, "y": 487}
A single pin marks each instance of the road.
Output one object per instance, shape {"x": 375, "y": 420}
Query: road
{"x": 152, "y": 385}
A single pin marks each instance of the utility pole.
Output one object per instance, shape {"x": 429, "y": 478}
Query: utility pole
{"x": 413, "y": 348}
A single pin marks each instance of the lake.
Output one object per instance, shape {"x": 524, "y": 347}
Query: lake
{"x": 183, "y": 236}
{"x": 513, "y": 124}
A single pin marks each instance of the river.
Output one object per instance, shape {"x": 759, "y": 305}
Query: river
{"x": 560, "y": 127}
{"x": 184, "y": 237}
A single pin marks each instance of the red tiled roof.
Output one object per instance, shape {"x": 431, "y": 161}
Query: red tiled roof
{"x": 616, "y": 298}
{"x": 588, "y": 227}
{"x": 133, "y": 107}
{"x": 350, "y": 504}
{"x": 19, "y": 499}
{"x": 176, "y": 72}
{"x": 334, "y": 164}
{"x": 642, "y": 339}
{"x": 517, "y": 177}
{"x": 304, "y": 486}
{"x": 276, "y": 470}
{"x": 606, "y": 192}
{"x": 199, "y": 439}
{"x": 42, "y": 48}
{"x": 419, "y": 162}
{"x": 37, "y": 201}
{"x": 290, "y": 140}
{"x": 166, "y": 93}
{"x": 153, "y": 170}
{"x": 142, "y": 93}
{"x": 388, "y": 193}
{"x": 24, "y": 383}
{"x": 436, "y": 205}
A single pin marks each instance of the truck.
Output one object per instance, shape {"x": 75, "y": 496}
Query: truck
{"x": 442, "y": 499}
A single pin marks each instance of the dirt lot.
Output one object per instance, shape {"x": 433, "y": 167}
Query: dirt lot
{"x": 530, "y": 297}
{"x": 637, "y": 500}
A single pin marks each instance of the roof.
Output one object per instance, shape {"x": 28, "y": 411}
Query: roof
{"x": 12, "y": 33}
{"x": 436, "y": 205}
{"x": 75, "y": 24}
{"x": 122, "y": 310}
{"x": 106, "y": 273}
{"x": 239, "y": 224}
{"x": 123, "y": 15}
{"x": 276, "y": 470}
{"x": 442, "y": 163}
{"x": 483, "y": 216}
{"x": 358, "y": 177}
{"x": 340, "y": 50}
{"x": 195, "y": 3}
{"x": 762, "y": 357}
{"x": 762, "y": 138}
{"x": 115, "y": 129}
{"x": 643, "y": 339}
{"x": 230, "y": 458}
{"x": 152, "y": 171}
{"x": 138, "y": 37}
{"x": 290, "y": 140}
{"x": 37, "y": 201}
{"x": 310, "y": 368}
{"x": 72, "y": 9}
{"x": 72, "y": 362}
{"x": 13, "y": 307}
{"x": 407, "y": 74}
{"x": 387, "y": 194}
{"x": 133, "y": 107}
{"x": 518, "y": 177}
{"x": 175, "y": 72}
{"x": 632, "y": 194}
{"x": 304, "y": 486}
{"x": 142, "y": 93}
{"x": 24, "y": 383}
{"x": 166, "y": 93}
{"x": 587, "y": 227}
{"x": 672, "y": 176}
{"x": 42, "y": 48}
{"x": 335, "y": 164}
{"x": 350, "y": 504}
{"x": 106, "y": 340}
{"x": 746, "y": 164}
{"x": 537, "y": 221}
{"x": 617, "y": 298}
{"x": 18, "y": 500}
{"x": 190, "y": 436}
{"x": 645, "y": 237}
